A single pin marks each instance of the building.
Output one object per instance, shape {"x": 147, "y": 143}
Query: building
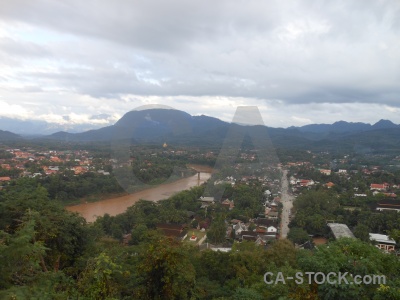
{"x": 340, "y": 230}
{"x": 325, "y": 171}
{"x": 228, "y": 204}
{"x": 206, "y": 201}
{"x": 248, "y": 236}
{"x": 306, "y": 182}
{"x": 379, "y": 187}
{"x": 329, "y": 184}
{"x": 382, "y": 242}
{"x": 272, "y": 230}
{"x": 388, "y": 204}
{"x": 265, "y": 223}
{"x": 272, "y": 215}
{"x": 239, "y": 227}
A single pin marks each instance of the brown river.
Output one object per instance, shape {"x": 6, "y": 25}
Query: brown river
{"x": 115, "y": 206}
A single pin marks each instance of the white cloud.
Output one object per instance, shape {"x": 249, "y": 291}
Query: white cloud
{"x": 298, "y": 61}
{"x": 300, "y": 120}
{"x": 13, "y": 110}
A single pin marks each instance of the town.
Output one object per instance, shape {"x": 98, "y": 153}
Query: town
{"x": 292, "y": 210}
{"x": 249, "y": 203}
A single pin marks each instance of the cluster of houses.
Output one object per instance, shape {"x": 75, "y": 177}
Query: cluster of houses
{"x": 298, "y": 184}
{"x": 258, "y": 177}
{"x": 389, "y": 202}
{"x": 301, "y": 182}
{"x": 376, "y": 188}
{"x": 47, "y": 163}
{"x": 265, "y": 230}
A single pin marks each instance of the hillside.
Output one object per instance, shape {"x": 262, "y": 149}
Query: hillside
{"x": 8, "y": 136}
{"x": 180, "y": 128}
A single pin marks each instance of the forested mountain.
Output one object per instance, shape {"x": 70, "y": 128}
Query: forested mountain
{"x": 180, "y": 128}
{"x": 346, "y": 127}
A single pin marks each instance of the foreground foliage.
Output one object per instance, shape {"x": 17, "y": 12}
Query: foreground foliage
{"x": 49, "y": 253}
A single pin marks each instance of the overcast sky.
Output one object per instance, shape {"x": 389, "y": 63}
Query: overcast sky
{"x": 300, "y": 62}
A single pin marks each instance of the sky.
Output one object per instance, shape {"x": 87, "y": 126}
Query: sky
{"x": 299, "y": 62}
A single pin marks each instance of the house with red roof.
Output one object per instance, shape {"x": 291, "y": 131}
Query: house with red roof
{"x": 55, "y": 159}
{"x": 306, "y": 182}
{"x": 79, "y": 170}
{"x": 325, "y": 171}
{"x": 329, "y": 185}
{"x": 379, "y": 186}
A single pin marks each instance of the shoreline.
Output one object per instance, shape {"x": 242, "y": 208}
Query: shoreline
{"x": 117, "y": 205}
{"x": 103, "y": 197}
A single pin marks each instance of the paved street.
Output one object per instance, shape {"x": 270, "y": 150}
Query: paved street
{"x": 287, "y": 201}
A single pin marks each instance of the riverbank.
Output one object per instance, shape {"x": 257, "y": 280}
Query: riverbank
{"x": 101, "y": 196}
{"x": 117, "y": 205}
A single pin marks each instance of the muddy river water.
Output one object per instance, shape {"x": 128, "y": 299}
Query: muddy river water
{"x": 117, "y": 205}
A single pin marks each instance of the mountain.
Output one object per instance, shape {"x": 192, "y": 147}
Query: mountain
{"x": 150, "y": 125}
{"x": 340, "y": 126}
{"x": 385, "y": 124}
{"x": 345, "y": 127}
{"x": 35, "y": 127}
{"x": 8, "y": 136}
{"x": 157, "y": 126}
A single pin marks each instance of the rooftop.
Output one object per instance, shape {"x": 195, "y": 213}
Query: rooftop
{"x": 340, "y": 230}
{"x": 381, "y": 238}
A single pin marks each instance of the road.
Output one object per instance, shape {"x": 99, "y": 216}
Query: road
{"x": 287, "y": 201}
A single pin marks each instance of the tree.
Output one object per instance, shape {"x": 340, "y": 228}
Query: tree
{"x": 217, "y": 231}
{"x": 21, "y": 256}
{"x": 165, "y": 271}
{"x": 247, "y": 294}
{"x": 282, "y": 252}
{"x": 354, "y": 257}
{"x": 361, "y": 231}
{"x": 298, "y": 235}
{"x": 395, "y": 234}
{"x": 63, "y": 233}
{"x": 98, "y": 281}
{"x": 138, "y": 234}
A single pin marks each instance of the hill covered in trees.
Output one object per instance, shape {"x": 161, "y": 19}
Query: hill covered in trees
{"x": 46, "y": 251}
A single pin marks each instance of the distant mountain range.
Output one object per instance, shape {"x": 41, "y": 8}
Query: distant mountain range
{"x": 342, "y": 127}
{"x": 178, "y": 127}
{"x": 35, "y": 127}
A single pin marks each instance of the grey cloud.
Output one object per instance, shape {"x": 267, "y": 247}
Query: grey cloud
{"x": 24, "y": 49}
{"x": 153, "y": 24}
{"x": 295, "y": 51}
